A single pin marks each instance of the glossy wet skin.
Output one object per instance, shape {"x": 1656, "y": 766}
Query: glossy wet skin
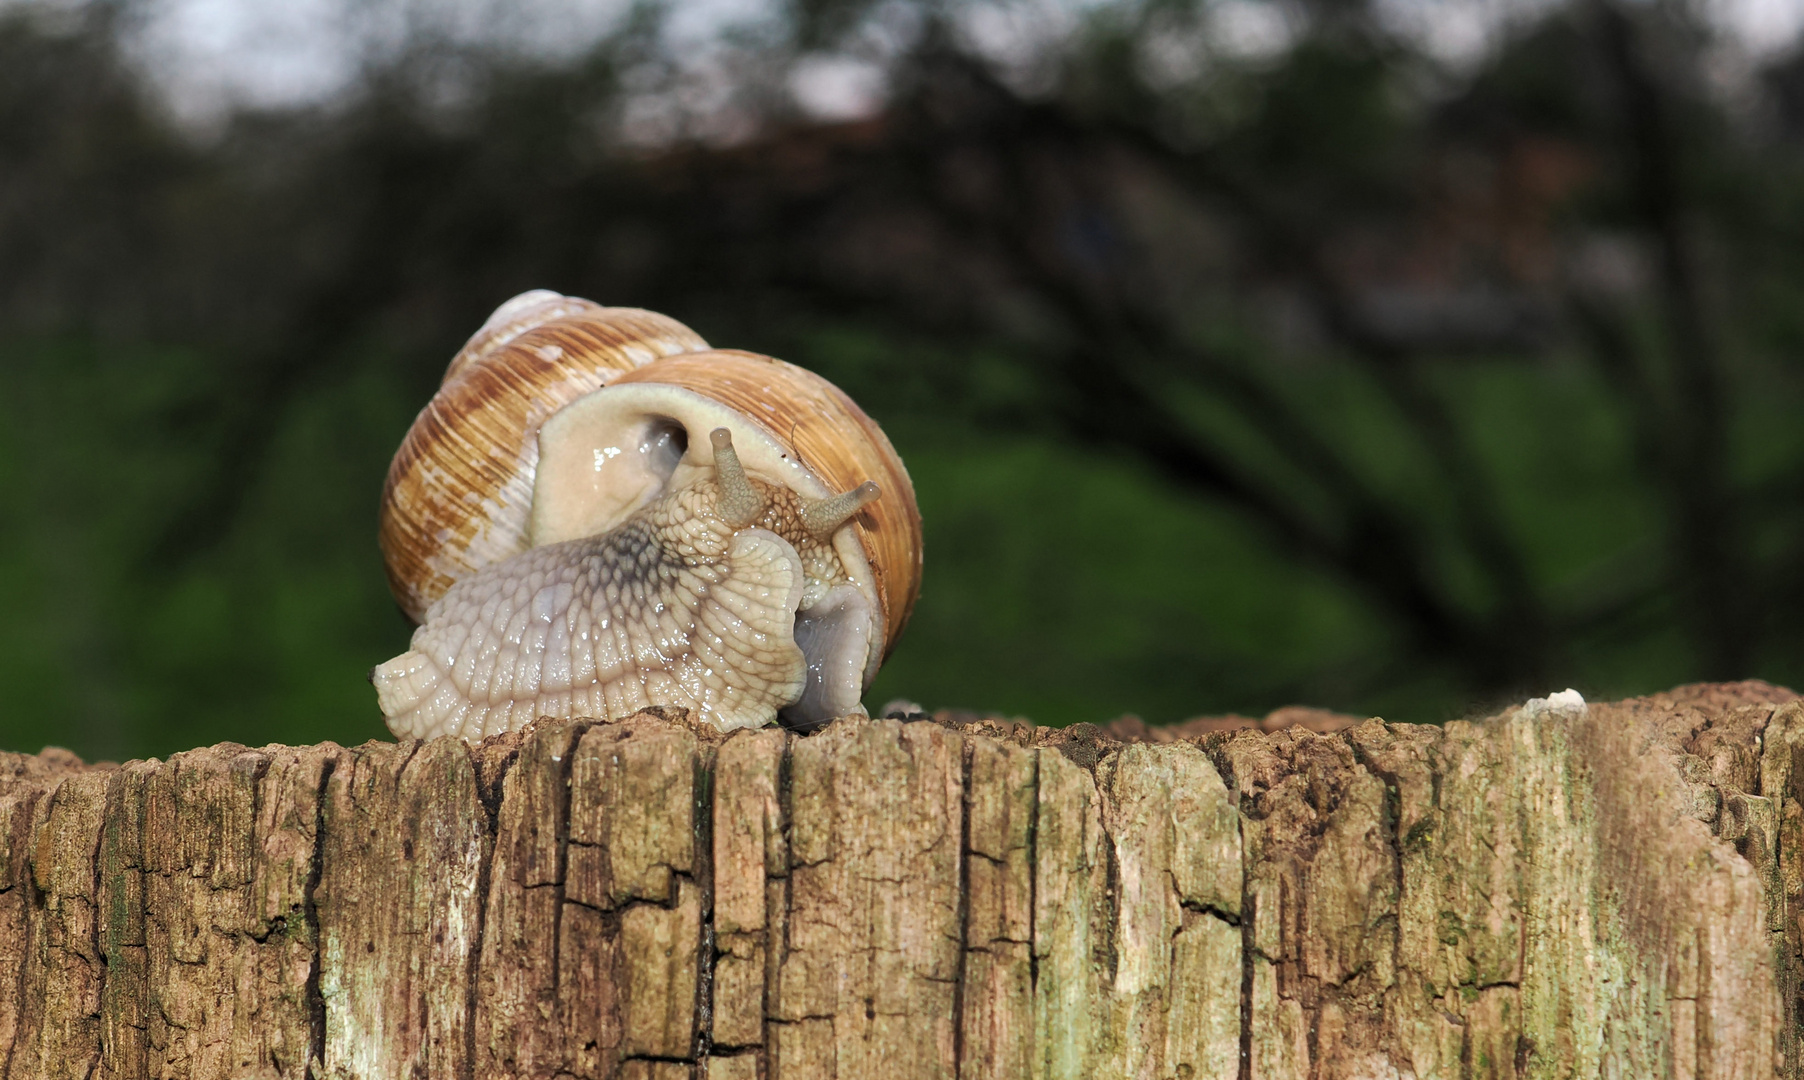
{"x": 725, "y": 597}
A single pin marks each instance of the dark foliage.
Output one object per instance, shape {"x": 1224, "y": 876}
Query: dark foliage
{"x": 1287, "y": 285}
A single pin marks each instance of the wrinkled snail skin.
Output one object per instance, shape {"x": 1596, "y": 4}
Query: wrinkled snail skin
{"x": 692, "y": 601}
{"x": 597, "y": 512}
{"x": 460, "y": 487}
{"x": 830, "y": 444}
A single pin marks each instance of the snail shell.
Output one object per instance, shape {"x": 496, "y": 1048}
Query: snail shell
{"x": 459, "y": 489}
{"x": 598, "y": 513}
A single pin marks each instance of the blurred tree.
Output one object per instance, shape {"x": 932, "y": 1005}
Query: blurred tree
{"x": 1501, "y": 349}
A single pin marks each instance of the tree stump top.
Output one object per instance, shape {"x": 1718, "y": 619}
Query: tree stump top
{"x": 1616, "y": 891}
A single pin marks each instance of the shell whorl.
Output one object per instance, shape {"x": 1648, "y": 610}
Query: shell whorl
{"x": 459, "y": 490}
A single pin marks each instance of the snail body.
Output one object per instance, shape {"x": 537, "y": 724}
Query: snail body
{"x": 639, "y": 521}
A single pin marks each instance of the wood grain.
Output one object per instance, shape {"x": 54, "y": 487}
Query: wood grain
{"x": 1539, "y": 894}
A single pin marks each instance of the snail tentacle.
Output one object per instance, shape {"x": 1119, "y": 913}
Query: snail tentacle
{"x": 740, "y": 502}
{"x": 822, "y": 516}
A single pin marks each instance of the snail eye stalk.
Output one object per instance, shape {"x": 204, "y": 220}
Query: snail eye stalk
{"x": 740, "y": 502}
{"x": 825, "y": 515}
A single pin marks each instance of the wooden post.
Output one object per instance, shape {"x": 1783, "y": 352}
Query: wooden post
{"x": 1614, "y": 892}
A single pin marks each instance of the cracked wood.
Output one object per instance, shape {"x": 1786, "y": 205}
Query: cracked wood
{"x": 1616, "y": 893}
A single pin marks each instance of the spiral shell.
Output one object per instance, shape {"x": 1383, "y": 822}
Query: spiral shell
{"x": 459, "y": 490}
{"x": 575, "y": 432}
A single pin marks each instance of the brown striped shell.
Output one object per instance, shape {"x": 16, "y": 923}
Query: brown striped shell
{"x": 459, "y": 491}
{"x": 462, "y": 489}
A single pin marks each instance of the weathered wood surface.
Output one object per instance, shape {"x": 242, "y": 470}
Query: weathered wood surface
{"x": 1616, "y": 893}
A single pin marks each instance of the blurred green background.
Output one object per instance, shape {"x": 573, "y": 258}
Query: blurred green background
{"x": 1393, "y": 357}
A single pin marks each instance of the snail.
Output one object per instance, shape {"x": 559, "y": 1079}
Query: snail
{"x": 597, "y": 512}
